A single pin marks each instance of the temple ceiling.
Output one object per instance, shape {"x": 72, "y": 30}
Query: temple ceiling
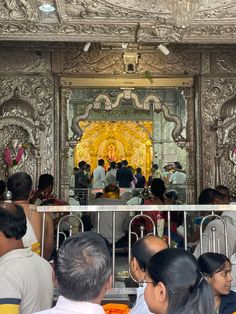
{"x": 120, "y": 21}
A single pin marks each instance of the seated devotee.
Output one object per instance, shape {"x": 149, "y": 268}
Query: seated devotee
{"x": 141, "y": 252}
{"x": 217, "y": 270}
{"x": 99, "y": 175}
{"x": 230, "y": 219}
{"x": 2, "y": 189}
{"x": 175, "y": 284}
{"x": 124, "y": 175}
{"x": 25, "y": 278}
{"x": 141, "y": 181}
{"x": 20, "y": 185}
{"x": 44, "y": 191}
{"x": 112, "y": 197}
{"x": 83, "y": 274}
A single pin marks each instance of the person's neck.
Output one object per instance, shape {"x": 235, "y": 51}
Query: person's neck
{"x": 9, "y": 245}
{"x": 21, "y": 201}
{"x": 217, "y": 301}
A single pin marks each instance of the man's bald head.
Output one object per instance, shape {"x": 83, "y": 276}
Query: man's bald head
{"x": 144, "y": 248}
{"x": 12, "y": 220}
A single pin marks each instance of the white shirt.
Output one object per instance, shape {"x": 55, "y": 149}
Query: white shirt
{"x": 66, "y": 306}
{"x": 140, "y": 306}
{"x": 27, "y": 278}
{"x": 98, "y": 177}
{"x": 178, "y": 178}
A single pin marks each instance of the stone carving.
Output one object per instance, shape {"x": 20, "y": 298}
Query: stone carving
{"x": 95, "y": 61}
{"x": 219, "y": 123}
{"x": 174, "y": 63}
{"x": 224, "y": 62}
{"x": 20, "y": 9}
{"x": 149, "y": 102}
{"x": 27, "y": 114}
{"x": 36, "y": 62}
{"x": 160, "y": 33}
{"x": 206, "y": 63}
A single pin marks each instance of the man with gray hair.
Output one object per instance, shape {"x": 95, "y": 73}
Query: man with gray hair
{"x": 83, "y": 273}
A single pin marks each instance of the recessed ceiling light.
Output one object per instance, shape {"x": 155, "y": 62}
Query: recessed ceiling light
{"x": 47, "y": 8}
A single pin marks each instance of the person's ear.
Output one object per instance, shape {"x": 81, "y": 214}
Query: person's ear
{"x": 160, "y": 293}
{"x": 133, "y": 264}
{"x": 108, "y": 284}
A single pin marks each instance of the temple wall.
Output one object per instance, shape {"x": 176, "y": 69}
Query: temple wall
{"x": 34, "y": 71}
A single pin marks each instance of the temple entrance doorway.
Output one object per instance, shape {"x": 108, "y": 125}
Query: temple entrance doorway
{"x": 116, "y": 141}
{"x": 152, "y": 122}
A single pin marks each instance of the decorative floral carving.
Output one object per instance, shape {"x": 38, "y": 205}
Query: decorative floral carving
{"x": 24, "y": 61}
{"x": 36, "y": 91}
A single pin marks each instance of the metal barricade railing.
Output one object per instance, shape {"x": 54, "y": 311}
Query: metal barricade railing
{"x": 213, "y": 241}
{"x": 140, "y": 210}
{"x": 86, "y": 195}
{"x": 67, "y": 218}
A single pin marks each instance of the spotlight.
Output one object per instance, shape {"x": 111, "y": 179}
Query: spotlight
{"x": 47, "y": 8}
{"x": 86, "y": 47}
{"x": 163, "y": 49}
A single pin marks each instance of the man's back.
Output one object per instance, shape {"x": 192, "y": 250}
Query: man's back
{"x": 178, "y": 178}
{"x": 26, "y": 279}
{"x": 124, "y": 176}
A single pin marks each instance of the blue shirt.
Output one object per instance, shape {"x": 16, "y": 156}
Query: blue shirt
{"x": 228, "y": 303}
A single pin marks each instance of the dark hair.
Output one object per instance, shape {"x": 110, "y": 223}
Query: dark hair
{"x": 138, "y": 170}
{"x": 177, "y": 165}
{"x": 124, "y": 163}
{"x": 81, "y": 164}
{"x": 207, "y": 196}
{"x": 45, "y": 180}
{"x": 112, "y": 188}
{"x": 119, "y": 165}
{"x": 155, "y": 166}
{"x": 20, "y": 185}
{"x": 223, "y": 190}
{"x": 82, "y": 266}
{"x": 142, "y": 253}
{"x": 211, "y": 263}
{"x": 12, "y": 220}
{"x": 187, "y": 291}
{"x": 2, "y": 187}
{"x": 158, "y": 188}
{"x": 113, "y": 164}
{"x": 87, "y": 167}
{"x": 101, "y": 162}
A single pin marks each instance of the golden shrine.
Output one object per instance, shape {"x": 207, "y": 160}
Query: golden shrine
{"x": 115, "y": 141}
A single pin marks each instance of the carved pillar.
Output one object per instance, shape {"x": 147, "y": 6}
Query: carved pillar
{"x": 155, "y": 138}
{"x": 190, "y": 148}
{"x": 64, "y": 147}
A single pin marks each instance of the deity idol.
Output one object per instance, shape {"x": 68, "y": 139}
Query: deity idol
{"x": 14, "y": 155}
